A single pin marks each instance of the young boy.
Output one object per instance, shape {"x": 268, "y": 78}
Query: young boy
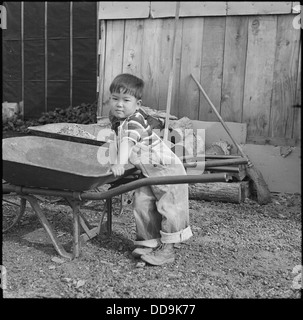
{"x": 161, "y": 211}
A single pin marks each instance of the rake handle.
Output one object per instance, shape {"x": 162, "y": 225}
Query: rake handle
{"x": 219, "y": 116}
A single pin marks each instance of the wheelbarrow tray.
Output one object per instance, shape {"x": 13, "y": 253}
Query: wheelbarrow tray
{"x": 52, "y": 130}
{"x": 34, "y": 161}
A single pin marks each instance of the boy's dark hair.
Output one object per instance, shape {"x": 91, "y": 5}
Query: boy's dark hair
{"x": 129, "y": 84}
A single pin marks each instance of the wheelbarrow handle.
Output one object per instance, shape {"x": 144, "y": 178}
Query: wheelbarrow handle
{"x": 88, "y": 195}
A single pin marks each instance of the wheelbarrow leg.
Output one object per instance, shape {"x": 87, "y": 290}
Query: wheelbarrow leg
{"x": 46, "y": 225}
{"x": 108, "y": 212}
{"x": 109, "y": 207}
{"x": 76, "y": 234}
{"x": 76, "y": 227}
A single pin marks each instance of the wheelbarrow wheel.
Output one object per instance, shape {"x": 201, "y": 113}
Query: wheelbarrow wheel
{"x": 12, "y": 212}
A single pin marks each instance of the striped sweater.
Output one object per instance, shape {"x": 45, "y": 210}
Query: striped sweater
{"x": 135, "y": 128}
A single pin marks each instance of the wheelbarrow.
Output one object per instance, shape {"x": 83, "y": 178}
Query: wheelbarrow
{"x": 36, "y": 166}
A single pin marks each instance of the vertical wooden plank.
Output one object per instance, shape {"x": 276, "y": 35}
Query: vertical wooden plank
{"x": 191, "y": 52}
{"x": 71, "y": 54}
{"x": 165, "y": 57}
{"x": 297, "y": 112}
{"x": 259, "y": 74}
{"x": 22, "y": 56}
{"x": 234, "y": 68}
{"x": 113, "y": 56}
{"x": 212, "y": 65}
{"x": 98, "y": 51}
{"x": 133, "y": 47}
{"x": 151, "y": 62}
{"x": 285, "y": 78}
{"x": 101, "y": 52}
{"x": 176, "y": 107}
{"x": 45, "y": 57}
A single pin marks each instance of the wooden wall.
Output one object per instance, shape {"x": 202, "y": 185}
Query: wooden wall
{"x": 247, "y": 61}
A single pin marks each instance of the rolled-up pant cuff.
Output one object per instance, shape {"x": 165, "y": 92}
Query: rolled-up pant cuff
{"x": 176, "y": 237}
{"x": 151, "y": 243}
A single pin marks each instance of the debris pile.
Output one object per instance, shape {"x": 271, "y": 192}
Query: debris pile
{"x": 82, "y": 114}
{"x": 76, "y": 131}
{"x": 219, "y": 148}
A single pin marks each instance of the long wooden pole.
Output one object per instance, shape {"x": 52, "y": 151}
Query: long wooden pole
{"x": 171, "y": 74}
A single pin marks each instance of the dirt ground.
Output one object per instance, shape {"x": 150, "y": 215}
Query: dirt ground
{"x": 237, "y": 251}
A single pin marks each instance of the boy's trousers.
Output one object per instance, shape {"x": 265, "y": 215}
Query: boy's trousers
{"x": 161, "y": 211}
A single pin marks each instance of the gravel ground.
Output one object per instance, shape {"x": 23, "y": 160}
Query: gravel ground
{"x": 237, "y": 251}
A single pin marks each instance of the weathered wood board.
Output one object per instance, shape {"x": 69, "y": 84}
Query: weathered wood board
{"x": 297, "y": 112}
{"x": 123, "y": 9}
{"x": 150, "y": 64}
{"x": 162, "y": 9}
{"x": 212, "y": 66}
{"x": 258, "y": 7}
{"x": 113, "y": 57}
{"x": 259, "y": 74}
{"x": 191, "y": 63}
{"x": 133, "y": 46}
{"x": 166, "y": 53}
{"x": 234, "y": 68}
{"x": 285, "y": 79}
{"x": 101, "y": 65}
{"x": 159, "y": 9}
{"x": 281, "y": 174}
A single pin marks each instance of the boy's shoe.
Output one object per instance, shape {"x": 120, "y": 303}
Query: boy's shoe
{"x": 165, "y": 253}
{"x": 138, "y": 252}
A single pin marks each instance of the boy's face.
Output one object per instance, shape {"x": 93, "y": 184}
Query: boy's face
{"x": 123, "y": 105}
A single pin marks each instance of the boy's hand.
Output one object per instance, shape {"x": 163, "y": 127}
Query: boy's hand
{"x": 118, "y": 169}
